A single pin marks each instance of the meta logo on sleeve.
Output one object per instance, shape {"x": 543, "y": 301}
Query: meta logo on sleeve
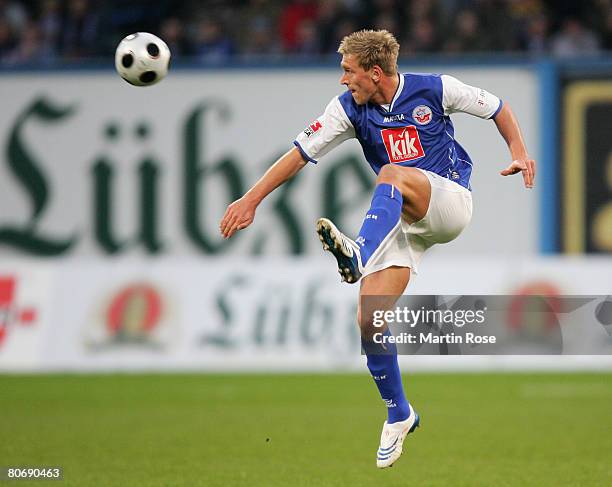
{"x": 402, "y": 144}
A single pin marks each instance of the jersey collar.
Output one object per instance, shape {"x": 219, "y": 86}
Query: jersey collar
{"x": 398, "y": 92}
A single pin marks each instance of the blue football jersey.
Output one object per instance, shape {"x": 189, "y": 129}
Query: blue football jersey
{"x": 414, "y": 130}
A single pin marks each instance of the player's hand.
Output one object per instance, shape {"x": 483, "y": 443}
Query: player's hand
{"x": 525, "y": 166}
{"x": 239, "y": 215}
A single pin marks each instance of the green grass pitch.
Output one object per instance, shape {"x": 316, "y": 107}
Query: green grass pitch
{"x": 307, "y": 430}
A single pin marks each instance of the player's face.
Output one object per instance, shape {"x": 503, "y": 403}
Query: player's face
{"x": 357, "y": 80}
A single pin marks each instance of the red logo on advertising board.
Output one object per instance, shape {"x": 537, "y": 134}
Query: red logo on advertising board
{"x": 535, "y": 307}
{"x": 402, "y": 144}
{"x": 133, "y": 313}
{"x": 136, "y": 315}
{"x": 10, "y": 312}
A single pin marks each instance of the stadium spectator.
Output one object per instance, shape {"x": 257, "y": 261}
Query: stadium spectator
{"x": 423, "y": 11}
{"x": 212, "y": 45}
{"x": 423, "y": 39}
{"x": 80, "y": 33}
{"x": 340, "y": 30}
{"x": 536, "y": 36}
{"x": 307, "y": 44}
{"x": 15, "y": 14}
{"x": 374, "y": 8}
{"x": 601, "y": 20}
{"x": 574, "y": 39}
{"x": 468, "y": 37}
{"x": 387, "y": 21}
{"x": 258, "y": 32}
{"x": 330, "y": 13}
{"x": 292, "y": 15}
{"x": 7, "y": 40}
{"x": 498, "y": 28}
{"x": 262, "y": 40}
{"x": 424, "y": 25}
{"x": 172, "y": 31}
{"x": 50, "y": 22}
{"x": 608, "y": 31}
{"x": 249, "y": 29}
{"x": 29, "y": 49}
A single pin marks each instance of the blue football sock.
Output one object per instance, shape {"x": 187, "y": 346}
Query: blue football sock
{"x": 383, "y": 365}
{"x": 383, "y": 215}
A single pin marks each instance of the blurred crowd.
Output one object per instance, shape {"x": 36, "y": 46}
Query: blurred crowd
{"x": 34, "y": 32}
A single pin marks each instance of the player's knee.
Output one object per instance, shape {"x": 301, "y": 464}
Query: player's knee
{"x": 406, "y": 179}
{"x": 366, "y": 325}
{"x": 388, "y": 174}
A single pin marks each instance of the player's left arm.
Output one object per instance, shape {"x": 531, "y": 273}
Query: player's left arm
{"x": 508, "y": 127}
{"x": 460, "y": 97}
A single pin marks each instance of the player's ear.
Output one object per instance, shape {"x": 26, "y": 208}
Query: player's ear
{"x": 376, "y": 74}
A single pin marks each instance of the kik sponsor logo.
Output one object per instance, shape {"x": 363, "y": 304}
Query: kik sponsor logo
{"x": 402, "y": 144}
{"x": 11, "y": 312}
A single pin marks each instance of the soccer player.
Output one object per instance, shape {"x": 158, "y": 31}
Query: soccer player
{"x": 422, "y": 195}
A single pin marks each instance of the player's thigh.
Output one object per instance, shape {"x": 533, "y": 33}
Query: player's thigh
{"x": 414, "y": 186}
{"x": 450, "y": 211}
{"x": 379, "y": 292}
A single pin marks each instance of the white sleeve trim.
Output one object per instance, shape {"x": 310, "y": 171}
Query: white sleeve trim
{"x": 459, "y": 97}
{"x": 325, "y": 133}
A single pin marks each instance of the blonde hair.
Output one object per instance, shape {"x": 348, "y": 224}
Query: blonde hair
{"x": 372, "y": 47}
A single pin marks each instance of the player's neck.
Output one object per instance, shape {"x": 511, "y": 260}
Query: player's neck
{"x": 386, "y": 90}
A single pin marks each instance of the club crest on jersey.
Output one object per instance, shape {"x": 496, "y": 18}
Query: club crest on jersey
{"x": 313, "y": 127}
{"x": 402, "y": 144}
{"x": 422, "y": 114}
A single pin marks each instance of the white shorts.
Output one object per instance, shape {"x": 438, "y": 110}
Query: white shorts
{"x": 449, "y": 212}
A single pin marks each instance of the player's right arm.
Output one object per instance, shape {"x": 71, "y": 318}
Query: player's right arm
{"x": 326, "y": 132}
{"x": 240, "y": 213}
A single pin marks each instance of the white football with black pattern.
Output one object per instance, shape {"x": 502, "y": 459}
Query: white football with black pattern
{"x": 142, "y": 59}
